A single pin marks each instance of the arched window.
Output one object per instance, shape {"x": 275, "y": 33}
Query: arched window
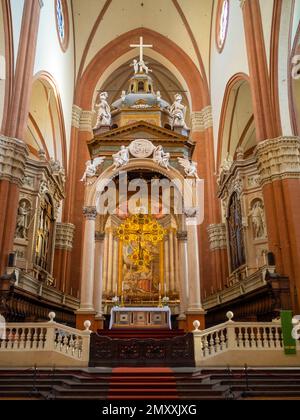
{"x": 141, "y": 87}
{"x": 62, "y": 23}
{"x": 222, "y": 21}
{"x": 235, "y": 230}
{"x": 45, "y": 234}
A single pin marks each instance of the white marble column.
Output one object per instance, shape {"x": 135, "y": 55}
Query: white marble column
{"x": 115, "y": 267}
{"x": 194, "y": 299}
{"x": 110, "y": 261}
{"x": 167, "y": 265}
{"x": 105, "y": 256}
{"x": 172, "y": 262}
{"x": 176, "y": 263}
{"x": 98, "y": 279}
{"x": 88, "y": 260}
{"x": 183, "y": 273}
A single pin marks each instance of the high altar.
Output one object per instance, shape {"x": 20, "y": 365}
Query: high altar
{"x": 141, "y": 215}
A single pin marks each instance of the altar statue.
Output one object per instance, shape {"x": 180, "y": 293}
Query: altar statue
{"x": 103, "y": 111}
{"x": 121, "y": 158}
{"x": 178, "y": 113}
{"x": 162, "y": 158}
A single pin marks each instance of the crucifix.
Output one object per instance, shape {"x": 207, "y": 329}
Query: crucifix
{"x": 141, "y": 46}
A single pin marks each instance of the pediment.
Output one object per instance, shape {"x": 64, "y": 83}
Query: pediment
{"x": 137, "y": 129}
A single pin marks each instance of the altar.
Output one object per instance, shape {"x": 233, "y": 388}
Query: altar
{"x": 140, "y": 318}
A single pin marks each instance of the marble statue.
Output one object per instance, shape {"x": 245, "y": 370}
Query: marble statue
{"x": 136, "y": 66}
{"x": 257, "y": 214}
{"x": 121, "y": 158}
{"x": 140, "y": 67}
{"x": 162, "y": 158}
{"x": 190, "y": 168}
{"x": 178, "y": 113}
{"x": 55, "y": 165}
{"x": 103, "y": 111}
{"x": 91, "y": 168}
{"x": 22, "y": 221}
{"x": 227, "y": 164}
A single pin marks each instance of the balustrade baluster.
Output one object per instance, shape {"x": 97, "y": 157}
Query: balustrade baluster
{"x": 222, "y": 341}
{"x": 218, "y": 347}
{"x": 253, "y": 341}
{"x": 65, "y": 344}
{"x": 206, "y": 346}
{"x": 247, "y": 342}
{"x": 259, "y": 338}
{"x": 35, "y": 339}
{"x": 265, "y": 339}
{"x": 272, "y": 338}
{"x": 212, "y": 345}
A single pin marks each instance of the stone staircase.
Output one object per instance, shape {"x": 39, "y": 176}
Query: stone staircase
{"x": 150, "y": 384}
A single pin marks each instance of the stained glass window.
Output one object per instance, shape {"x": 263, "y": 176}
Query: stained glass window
{"x": 60, "y": 20}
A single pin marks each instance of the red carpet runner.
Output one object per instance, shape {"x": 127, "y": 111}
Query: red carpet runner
{"x": 142, "y": 383}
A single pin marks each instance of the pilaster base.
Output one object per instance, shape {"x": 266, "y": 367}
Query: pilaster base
{"x": 192, "y": 317}
{"x": 81, "y": 317}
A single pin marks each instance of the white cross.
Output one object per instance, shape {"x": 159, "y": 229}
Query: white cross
{"x": 141, "y": 46}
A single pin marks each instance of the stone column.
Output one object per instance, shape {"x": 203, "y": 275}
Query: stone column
{"x": 88, "y": 260}
{"x": 115, "y": 267}
{"x": 218, "y": 247}
{"x": 13, "y": 154}
{"x": 176, "y": 263}
{"x": 183, "y": 276}
{"x": 110, "y": 261}
{"x": 167, "y": 265}
{"x": 266, "y": 123}
{"x": 202, "y": 135}
{"x": 195, "y": 310}
{"x": 63, "y": 248}
{"x": 98, "y": 279}
{"x": 172, "y": 262}
{"x": 279, "y": 169}
{"x": 18, "y": 110}
{"x": 81, "y": 133}
{"x": 105, "y": 257}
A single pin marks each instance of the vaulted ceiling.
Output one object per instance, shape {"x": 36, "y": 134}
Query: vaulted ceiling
{"x": 185, "y": 22}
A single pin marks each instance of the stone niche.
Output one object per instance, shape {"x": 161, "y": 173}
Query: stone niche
{"x": 40, "y": 200}
{"x": 242, "y": 178}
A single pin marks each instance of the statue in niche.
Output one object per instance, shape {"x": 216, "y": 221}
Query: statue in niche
{"x": 257, "y": 215}
{"x": 91, "y": 168}
{"x": 121, "y": 158}
{"x": 178, "y": 113}
{"x": 23, "y": 220}
{"x": 103, "y": 111}
{"x": 162, "y": 158}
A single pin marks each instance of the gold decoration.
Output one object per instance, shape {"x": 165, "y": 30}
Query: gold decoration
{"x": 142, "y": 230}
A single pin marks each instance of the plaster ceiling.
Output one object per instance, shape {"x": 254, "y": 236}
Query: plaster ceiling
{"x": 185, "y": 22}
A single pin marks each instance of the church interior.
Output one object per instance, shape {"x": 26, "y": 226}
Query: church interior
{"x": 150, "y": 196}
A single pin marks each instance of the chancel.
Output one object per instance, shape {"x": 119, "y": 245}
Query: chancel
{"x": 149, "y": 200}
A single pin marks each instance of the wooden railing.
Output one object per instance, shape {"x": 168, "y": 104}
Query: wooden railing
{"x": 49, "y": 337}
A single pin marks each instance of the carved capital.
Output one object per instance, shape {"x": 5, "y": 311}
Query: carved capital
{"x": 76, "y": 114}
{"x": 86, "y": 121}
{"x": 278, "y": 159}
{"x": 202, "y": 120}
{"x": 90, "y": 213}
{"x": 217, "y": 236}
{"x": 13, "y": 154}
{"x": 64, "y": 236}
{"x": 99, "y": 236}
